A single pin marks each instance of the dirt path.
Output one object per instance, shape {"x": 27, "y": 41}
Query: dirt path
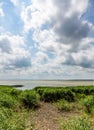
{"x": 47, "y": 117}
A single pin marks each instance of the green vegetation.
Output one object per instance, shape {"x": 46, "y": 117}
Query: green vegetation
{"x": 71, "y": 94}
{"x": 29, "y": 99}
{"x": 10, "y": 120}
{"x": 63, "y": 105}
{"x": 78, "y": 123}
{"x": 50, "y": 94}
{"x": 15, "y": 106}
{"x": 88, "y": 102}
{"x": 73, "y": 100}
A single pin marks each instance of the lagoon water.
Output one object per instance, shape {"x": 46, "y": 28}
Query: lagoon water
{"x": 29, "y": 84}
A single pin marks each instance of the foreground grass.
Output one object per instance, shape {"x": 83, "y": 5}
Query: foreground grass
{"x": 15, "y": 106}
{"x": 77, "y": 123}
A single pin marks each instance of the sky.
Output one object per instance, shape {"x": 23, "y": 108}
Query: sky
{"x": 46, "y": 39}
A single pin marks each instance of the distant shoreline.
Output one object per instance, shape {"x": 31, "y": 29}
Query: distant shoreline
{"x": 46, "y": 79}
{"x": 30, "y": 84}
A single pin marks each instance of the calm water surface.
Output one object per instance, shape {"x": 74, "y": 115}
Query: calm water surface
{"x": 29, "y": 84}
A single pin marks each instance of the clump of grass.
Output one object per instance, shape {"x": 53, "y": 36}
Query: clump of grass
{"x": 29, "y": 99}
{"x": 77, "y": 123}
{"x": 80, "y": 96}
{"x": 63, "y": 105}
{"x": 7, "y": 100}
{"x": 13, "y": 116}
{"x": 15, "y": 93}
{"x": 9, "y": 120}
{"x": 88, "y": 103}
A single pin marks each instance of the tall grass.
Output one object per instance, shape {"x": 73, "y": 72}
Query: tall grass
{"x": 13, "y": 104}
{"x": 10, "y": 120}
{"x": 77, "y": 123}
{"x": 63, "y": 105}
{"x": 29, "y": 99}
{"x": 88, "y": 103}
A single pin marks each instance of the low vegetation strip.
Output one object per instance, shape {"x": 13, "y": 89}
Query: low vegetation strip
{"x": 50, "y": 94}
{"x": 17, "y": 105}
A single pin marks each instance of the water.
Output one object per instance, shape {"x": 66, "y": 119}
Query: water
{"x": 29, "y": 84}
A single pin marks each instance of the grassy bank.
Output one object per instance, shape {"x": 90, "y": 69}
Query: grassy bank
{"x": 16, "y": 106}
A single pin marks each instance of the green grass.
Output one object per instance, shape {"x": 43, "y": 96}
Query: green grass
{"x": 55, "y": 94}
{"x": 63, "y": 105}
{"x": 10, "y": 120}
{"x": 77, "y": 123}
{"x": 29, "y": 99}
{"x": 72, "y": 100}
{"x": 88, "y": 103}
{"x": 14, "y": 106}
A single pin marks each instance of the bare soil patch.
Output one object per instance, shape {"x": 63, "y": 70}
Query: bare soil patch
{"x": 48, "y": 117}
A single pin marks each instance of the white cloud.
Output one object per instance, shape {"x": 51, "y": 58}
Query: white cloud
{"x": 40, "y": 58}
{"x": 13, "y": 53}
{"x": 67, "y": 35}
{"x": 1, "y": 10}
{"x": 63, "y": 19}
{"x": 36, "y": 14}
{"x": 60, "y": 33}
{"x": 1, "y": 13}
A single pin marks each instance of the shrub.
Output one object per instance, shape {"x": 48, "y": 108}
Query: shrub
{"x": 7, "y": 100}
{"x": 29, "y": 99}
{"x": 15, "y": 93}
{"x": 88, "y": 102}
{"x": 69, "y": 96}
{"x": 53, "y": 94}
{"x": 63, "y": 105}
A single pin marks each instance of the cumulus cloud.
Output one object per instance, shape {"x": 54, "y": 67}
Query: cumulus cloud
{"x": 5, "y": 45}
{"x": 60, "y": 39}
{"x": 71, "y": 30}
{"x": 83, "y": 59}
{"x": 19, "y": 62}
{"x": 36, "y": 14}
{"x": 67, "y": 33}
{"x": 13, "y": 52}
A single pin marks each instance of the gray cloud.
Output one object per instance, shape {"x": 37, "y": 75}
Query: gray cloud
{"x": 13, "y": 54}
{"x": 72, "y": 30}
{"x": 82, "y": 60}
{"x": 23, "y": 62}
{"x": 62, "y": 4}
{"x": 5, "y": 45}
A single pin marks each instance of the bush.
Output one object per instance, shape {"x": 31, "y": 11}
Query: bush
{"x": 7, "y": 100}
{"x": 69, "y": 96}
{"x": 29, "y": 99}
{"x": 55, "y": 94}
{"x": 63, "y": 105}
{"x": 15, "y": 93}
{"x": 88, "y": 102}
